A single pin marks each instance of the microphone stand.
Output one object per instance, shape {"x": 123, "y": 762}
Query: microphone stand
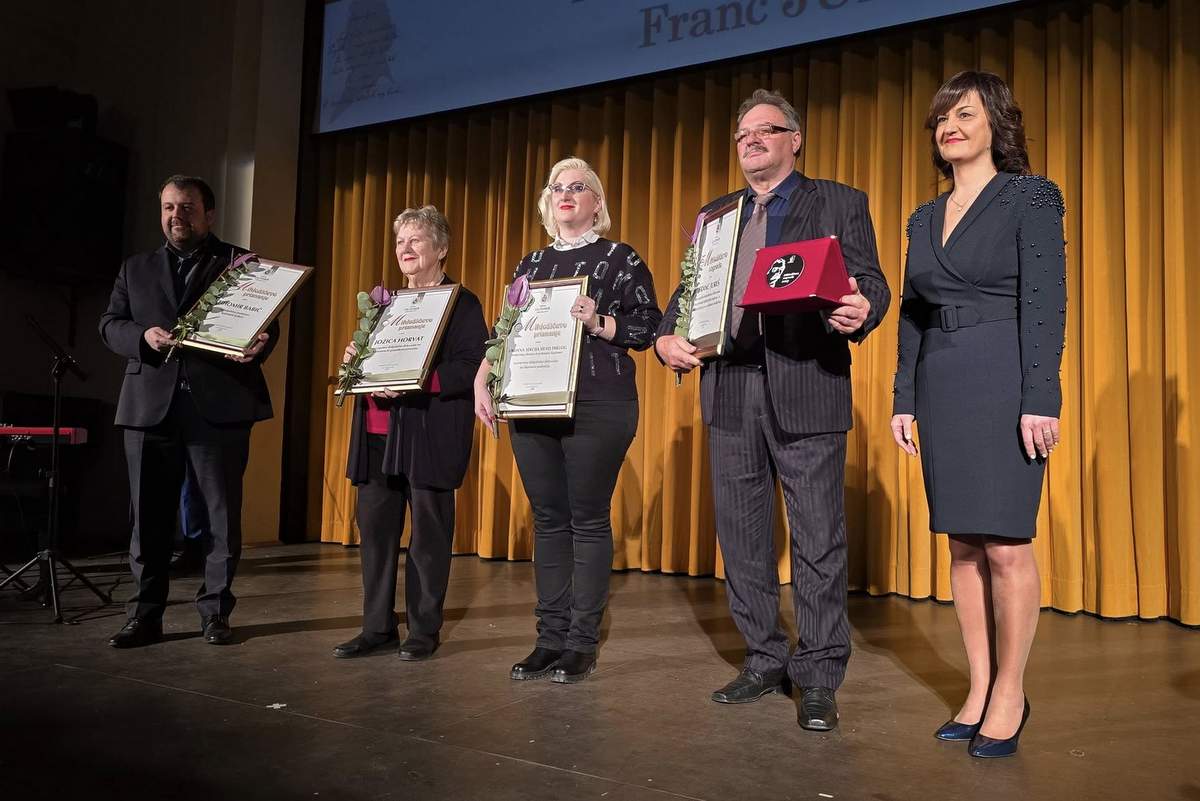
{"x": 49, "y": 554}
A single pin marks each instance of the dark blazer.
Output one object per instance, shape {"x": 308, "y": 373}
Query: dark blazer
{"x": 143, "y": 297}
{"x": 997, "y": 262}
{"x": 807, "y": 362}
{"x": 429, "y": 436}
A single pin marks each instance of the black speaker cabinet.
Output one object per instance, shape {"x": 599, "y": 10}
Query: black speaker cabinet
{"x": 62, "y": 206}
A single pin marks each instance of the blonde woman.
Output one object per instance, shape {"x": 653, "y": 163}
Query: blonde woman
{"x": 569, "y": 466}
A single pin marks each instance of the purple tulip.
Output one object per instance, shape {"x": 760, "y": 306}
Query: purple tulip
{"x": 518, "y": 292}
{"x": 699, "y": 227}
{"x": 238, "y": 261}
{"x": 380, "y": 296}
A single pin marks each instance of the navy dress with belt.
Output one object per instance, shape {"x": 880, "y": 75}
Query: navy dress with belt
{"x": 982, "y": 322}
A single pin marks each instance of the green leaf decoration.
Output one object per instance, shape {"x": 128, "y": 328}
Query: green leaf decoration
{"x": 364, "y": 302}
{"x": 364, "y": 325}
{"x": 687, "y": 283}
{"x": 360, "y": 339}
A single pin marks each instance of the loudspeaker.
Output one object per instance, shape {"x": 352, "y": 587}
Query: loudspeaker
{"x": 62, "y": 205}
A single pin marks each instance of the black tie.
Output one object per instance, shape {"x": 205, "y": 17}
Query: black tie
{"x": 182, "y": 268}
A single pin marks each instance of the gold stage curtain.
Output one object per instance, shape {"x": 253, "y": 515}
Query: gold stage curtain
{"x": 1109, "y": 91}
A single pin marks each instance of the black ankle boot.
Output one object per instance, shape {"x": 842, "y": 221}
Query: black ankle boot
{"x": 539, "y": 663}
{"x": 573, "y": 667}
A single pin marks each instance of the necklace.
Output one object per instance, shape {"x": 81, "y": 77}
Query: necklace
{"x": 960, "y": 206}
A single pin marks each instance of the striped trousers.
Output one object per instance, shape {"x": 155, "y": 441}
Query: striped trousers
{"x": 748, "y": 453}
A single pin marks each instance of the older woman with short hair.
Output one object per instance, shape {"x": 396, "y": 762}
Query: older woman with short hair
{"x": 569, "y": 467}
{"x": 411, "y": 450}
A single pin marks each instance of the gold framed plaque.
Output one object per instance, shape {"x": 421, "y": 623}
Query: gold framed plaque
{"x": 405, "y": 340}
{"x": 716, "y": 256}
{"x": 245, "y": 307}
{"x": 541, "y": 353}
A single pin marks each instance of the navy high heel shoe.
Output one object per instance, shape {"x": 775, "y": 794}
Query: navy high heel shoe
{"x": 987, "y": 748}
{"x": 954, "y": 732}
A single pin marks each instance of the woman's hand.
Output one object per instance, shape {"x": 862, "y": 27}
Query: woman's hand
{"x": 351, "y": 352}
{"x": 1040, "y": 434}
{"x": 902, "y": 433}
{"x": 483, "y": 407}
{"x": 584, "y": 310}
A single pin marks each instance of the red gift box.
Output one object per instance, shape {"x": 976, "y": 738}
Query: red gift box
{"x": 797, "y": 277}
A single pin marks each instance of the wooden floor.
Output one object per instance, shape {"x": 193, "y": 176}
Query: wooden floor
{"x": 1116, "y": 705}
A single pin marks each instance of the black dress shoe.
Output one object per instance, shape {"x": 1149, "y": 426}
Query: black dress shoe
{"x": 818, "y": 709}
{"x": 416, "y": 649}
{"x": 217, "y": 631}
{"x": 573, "y": 667}
{"x": 750, "y": 685}
{"x": 137, "y": 632}
{"x": 364, "y": 644}
{"x": 539, "y": 663}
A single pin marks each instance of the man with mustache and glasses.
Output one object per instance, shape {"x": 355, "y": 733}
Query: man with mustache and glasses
{"x": 194, "y": 410}
{"x": 777, "y": 404}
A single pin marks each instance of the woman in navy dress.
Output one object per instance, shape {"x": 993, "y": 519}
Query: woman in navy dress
{"x": 981, "y": 336}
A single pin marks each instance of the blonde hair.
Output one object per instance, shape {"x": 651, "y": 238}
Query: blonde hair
{"x": 603, "y": 221}
{"x": 428, "y": 218}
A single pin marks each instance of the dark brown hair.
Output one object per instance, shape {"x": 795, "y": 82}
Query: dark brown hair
{"x": 185, "y": 182}
{"x": 1003, "y": 116}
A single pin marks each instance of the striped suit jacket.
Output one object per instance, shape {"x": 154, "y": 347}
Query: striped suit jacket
{"x": 807, "y": 362}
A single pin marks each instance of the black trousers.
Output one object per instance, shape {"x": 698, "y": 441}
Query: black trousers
{"x": 157, "y": 458}
{"x": 381, "y": 508}
{"x": 747, "y": 456}
{"x": 569, "y": 469}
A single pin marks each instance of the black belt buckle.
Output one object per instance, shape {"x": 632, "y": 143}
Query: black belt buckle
{"x": 948, "y": 318}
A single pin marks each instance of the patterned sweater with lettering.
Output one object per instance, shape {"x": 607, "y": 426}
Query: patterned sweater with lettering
{"x": 621, "y": 284}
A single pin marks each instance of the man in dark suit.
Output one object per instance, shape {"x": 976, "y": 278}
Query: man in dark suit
{"x": 197, "y": 408}
{"x": 777, "y": 404}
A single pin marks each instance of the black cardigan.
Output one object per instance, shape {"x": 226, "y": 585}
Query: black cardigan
{"x": 429, "y": 435}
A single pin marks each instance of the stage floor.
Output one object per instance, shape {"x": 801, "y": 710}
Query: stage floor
{"x": 1116, "y": 706}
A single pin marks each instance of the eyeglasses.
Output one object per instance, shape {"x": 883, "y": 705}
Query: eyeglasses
{"x": 760, "y": 132}
{"x": 575, "y": 188}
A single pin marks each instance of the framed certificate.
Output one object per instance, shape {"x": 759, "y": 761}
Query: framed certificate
{"x": 716, "y": 255}
{"x": 245, "y": 308}
{"x": 541, "y": 353}
{"x": 406, "y": 338}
